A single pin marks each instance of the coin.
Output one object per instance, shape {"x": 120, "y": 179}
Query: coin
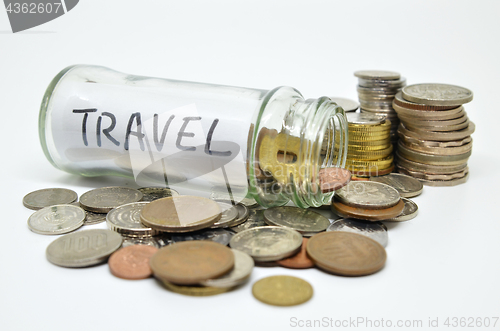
{"x": 282, "y": 290}
{"x": 428, "y": 176}
{"x": 368, "y": 164}
{"x": 432, "y": 159}
{"x": 49, "y": 197}
{"x": 401, "y": 102}
{"x": 102, "y": 200}
{"x": 427, "y": 168}
{"x": 429, "y": 115}
{"x": 190, "y": 262}
{"x": 347, "y": 104}
{"x": 93, "y": 218}
{"x": 439, "y": 136}
{"x": 369, "y": 195}
{"x": 83, "y": 248}
{"x": 409, "y": 212}
{"x": 298, "y": 219}
{"x": 154, "y": 193}
{"x": 148, "y": 241}
{"x": 437, "y": 94}
{"x": 377, "y": 74}
{"x": 220, "y": 236}
{"x": 299, "y": 260}
{"x": 194, "y": 290}
{"x": 393, "y": 83}
{"x": 126, "y": 220}
{"x": 183, "y": 213}
{"x": 369, "y": 172}
{"x": 364, "y": 119}
{"x": 374, "y": 230}
{"x": 365, "y": 213}
{"x": 267, "y": 243}
{"x": 229, "y": 214}
{"x": 255, "y": 219}
{"x": 451, "y": 182}
{"x": 243, "y": 266}
{"x": 56, "y": 219}
{"x": 347, "y": 254}
{"x": 333, "y": 178}
{"x": 408, "y": 187}
{"x": 242, "y": 215}
{"x": 424, "y": 146}
{"x": 132, "y": 262}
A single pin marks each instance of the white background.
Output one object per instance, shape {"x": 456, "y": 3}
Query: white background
{"x": 445, "y": 263}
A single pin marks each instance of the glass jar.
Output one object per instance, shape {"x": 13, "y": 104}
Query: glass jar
{"x": 220, "y": 141}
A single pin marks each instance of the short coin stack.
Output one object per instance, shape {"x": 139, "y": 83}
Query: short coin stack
{"x": 376, "y": 91}
{"x": 435, "y": 133}
{"x": 369, "y": 147}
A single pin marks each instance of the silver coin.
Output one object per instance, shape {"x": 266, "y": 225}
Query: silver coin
{"x": 377, "y": 74}
{"x": 298, "y": 219}
{"x": 255, "y": 219}
{"x": 56, "y": 219}
{"x": 366, "y": 194}
{"x": 394, "y": 83}
{"x": 94, "y": 218}
{"x": 148, "y": 241}
{"x": 364, "y": 118}
{"x": 437, "y": 94}
{"x": 441, "y": 183}
{"x": 126, "y": 219}
{"x": 102, "y": 200}
{"x": 154, "y": 193}
{"x": 220, "y": 236}
{"x": 408, "y": 187}
{"x": 267, "y": 243}
{"x": 409, "y": 212}
{"x": 83, "y": 248}
{"x": 243, "y": 266}
{"x": 49, "y": 197}
{"x": 374, "y": 230}
{"x": 229, "y": 214}
{"x": 347, "y": 104}
{"x": 242, "y": 216}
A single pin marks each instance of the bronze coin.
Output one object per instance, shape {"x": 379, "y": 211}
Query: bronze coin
{"x": 299, "y": 260}
{"x": 190, "y": 262}
{"x": 367, "y": 214}
{"x": 132, "y": 262}
{"x": 345, "y": 253}
{"x": 331, "y": 179}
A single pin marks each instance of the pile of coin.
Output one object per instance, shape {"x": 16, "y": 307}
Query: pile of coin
{"x": 376, "y": 91}
{"x": 435, "y": 133}
{"x": 369, "y": 150}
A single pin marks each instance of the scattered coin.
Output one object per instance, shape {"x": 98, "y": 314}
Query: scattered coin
{"x": 332, "y": 179}
{"x": 126, "y": 220}
{"x": 147, "y": 241}
{"x": 374, "y": 230}
{"x": 368, "y": 194}
{"x": 409, "y": 212}
{"x": 102, "y": 200}
{"x": 299, "y": 260}
{"x": 347, "y": 104}
{"x": 243, "y": 266}
{"x": 183, "y": 213}
{"x": 194, "y": 290}
{"x": 190, "y": 262}
{"x": 94, "y": 218}
{"x": 408, "y": 187}
{"x": 282, "y": 290}
{"x": 83, "y": 248}
{"x": 228, "y": 216}
{"x": 347, "y": 254}
{"x": 154, "y": 193}
{"x": 346, "y": 211}
{"x": 220, "y": 236}
{"x": 255, "y": 219}
{"x": 49, "y": 197}
{"x": 132, "y": 262}
{"x": 437, "y": 94}
{"x": 298, "y": 219}
{"x": 56, "y": 219}
{"x": 267, "y": 243}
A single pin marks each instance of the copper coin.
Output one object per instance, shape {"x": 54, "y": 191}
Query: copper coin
{"x": 299, "y": 260}
{"x": 331, "y": 179}
{"x": 190, "y": 262}
{"x": 367, "y": 214}
{"x": 345, "y": 253}
{"x": 132, "y": 262}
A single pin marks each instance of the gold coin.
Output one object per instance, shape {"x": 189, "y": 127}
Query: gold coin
{"x": 180, "y": 213}
{"x": 381, "y": 164}
{"x": 369, "y": 142}
{"x": 197, "y": 291}
{"x": 358, "y": 147}
{"x": 282, "y": 290}
{"x": 386, "y": 125}
{"x": 369, "y": 155}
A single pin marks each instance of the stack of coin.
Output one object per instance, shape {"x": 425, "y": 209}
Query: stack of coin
{"x": 435, "y": 142}
{"x": 376, "y": 91}
{"x": 369, "y": 147}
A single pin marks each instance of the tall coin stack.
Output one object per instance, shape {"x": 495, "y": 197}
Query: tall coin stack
{"x": 376, "y": 91}
{"x": 435, "y": 133}
{"x": 369, "y": 146}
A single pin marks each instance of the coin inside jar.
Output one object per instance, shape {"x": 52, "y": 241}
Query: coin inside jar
{"x": 132, "y": 262}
